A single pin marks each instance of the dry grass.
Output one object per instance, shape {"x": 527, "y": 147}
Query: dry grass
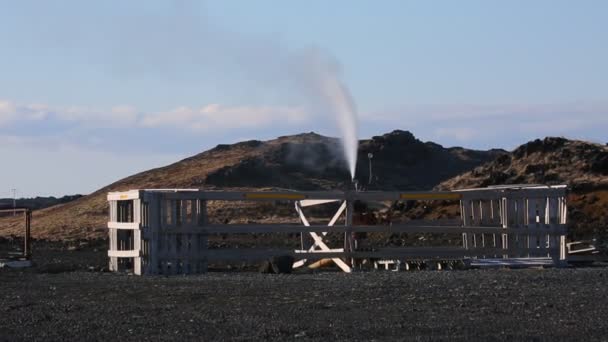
{"x": 583, "y": 166}
{"x": 552, "y": 160}
{"x": 86, "y": 217}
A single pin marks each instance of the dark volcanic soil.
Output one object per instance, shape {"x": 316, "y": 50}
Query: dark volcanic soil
{"x": 533, "y": 304}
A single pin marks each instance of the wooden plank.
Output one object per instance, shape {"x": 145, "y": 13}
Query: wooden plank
{"x": 486, "y": 213}
{"x": 431, "y": 196}
{"x": 203, "y": 219}
{"x": 337, "y": 214}
{"x": 273, "y": 196}
{"x": 531, "y": 222}
{"x": 496, "y": 213}
{"x": 553, "y": 220}
{"x": 520, "y": 210}
{"x": 195, "y": 211}
{"x": 27, "y": 248}
{"x": 477, "y": 238}
{"x": 136, "y": 215}
{"x": 173, "y": 208}
{"x": 407, "y": 252}
{"x": 309, "y": 203}
{"x": 16, "y": 210}
{"x": 333, "y": 220}
{"x": 396, "y": 228}
{"x": 124, "y": 195}
{"x": 124, "y": 225}
{"x": 113, "y": 236}
{"x": 468, "y": 220}
{"x": 512, "y": 262}
{"x": 489, "y": 193}
{"x": 255, "y": 196}
{"x": 552, "y": 212}
{"x": 319, "y": 242}
{"x": 476, "y": 213}
{"x": 123, "y": 254}
{"x": 154, "y": 223}
{"x": 137, "y": 246}
{"x": 563, "y": 210}
{"x": 183, "y": 209}
{"x": 541, "y": 236}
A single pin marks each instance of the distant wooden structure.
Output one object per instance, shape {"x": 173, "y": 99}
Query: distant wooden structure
{"x": 26, "y": 250}
{"x": 166, "y": 231}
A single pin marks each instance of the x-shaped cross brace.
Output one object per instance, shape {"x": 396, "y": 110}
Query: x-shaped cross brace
{"x": 318, "y": 240}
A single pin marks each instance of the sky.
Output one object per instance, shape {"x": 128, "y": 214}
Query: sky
{"x": 91, "y": 92}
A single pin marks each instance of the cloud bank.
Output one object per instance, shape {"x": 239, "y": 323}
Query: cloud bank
{"x": 98, "y": 146}
{"x": 212, "y": 117}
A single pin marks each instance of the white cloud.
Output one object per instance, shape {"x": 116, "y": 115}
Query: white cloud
{"x": 210, "y": 117}
{"x": 11, "y": 112}
{"x": 7, "y": 112}
{"x": 215, "y": 116}
{"x": 122, "y": 115}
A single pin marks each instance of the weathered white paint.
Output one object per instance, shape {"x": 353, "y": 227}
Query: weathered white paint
{"x": 169, "y": 228}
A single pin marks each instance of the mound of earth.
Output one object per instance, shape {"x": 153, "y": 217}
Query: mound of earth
{"x": 583, "y": 166}
{"x": 301, "y": 162}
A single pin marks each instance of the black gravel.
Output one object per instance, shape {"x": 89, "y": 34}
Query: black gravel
{"x": 532, "y": 304}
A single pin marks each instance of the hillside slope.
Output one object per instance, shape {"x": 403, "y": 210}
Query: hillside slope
{"x": 36, "y": 203}
{"x": 302, "y": 162}
{"x": 583, "y": 166}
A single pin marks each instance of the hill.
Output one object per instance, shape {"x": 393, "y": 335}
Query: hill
{"x": 36, "y": 203}
{"x": 582, "y": 165}
{"x": 303, "y": 162}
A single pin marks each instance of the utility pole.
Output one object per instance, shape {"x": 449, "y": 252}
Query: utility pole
{"x": 14, "y": 201}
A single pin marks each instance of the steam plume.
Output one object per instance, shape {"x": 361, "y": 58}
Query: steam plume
{"x": 344, "y": 110}
{"x": 310, "y": 76}
{"x": 334, "y": 98}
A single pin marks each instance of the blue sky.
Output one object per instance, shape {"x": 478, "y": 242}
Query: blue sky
{"x": 93, "y": 92}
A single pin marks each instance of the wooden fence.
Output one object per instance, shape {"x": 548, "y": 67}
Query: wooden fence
{"x": 25, "y": 250}
{"x": 166, "y": 231}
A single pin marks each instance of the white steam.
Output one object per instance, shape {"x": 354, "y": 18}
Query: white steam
{"x": 328, "y": 94}
{"x": 346, "y": 118}
{"x": 186, "y": 46}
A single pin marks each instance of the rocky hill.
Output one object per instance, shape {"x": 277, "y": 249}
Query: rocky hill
{"x": 583, "y": 166}
{"x": 302, "y": 162}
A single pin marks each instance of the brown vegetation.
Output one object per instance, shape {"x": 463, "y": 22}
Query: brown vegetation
{"x": 583, "y": 166}
{"x": 312, "y": 162}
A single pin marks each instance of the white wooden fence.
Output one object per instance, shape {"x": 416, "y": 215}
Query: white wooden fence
{"x": 166, "y": 231}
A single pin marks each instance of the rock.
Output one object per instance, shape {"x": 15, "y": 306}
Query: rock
{"x": 277, "y": 265}
{"x": 265, "y": 267}
{"x": 282, "y": 264}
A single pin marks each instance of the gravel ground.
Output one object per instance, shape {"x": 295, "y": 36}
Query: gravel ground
{"x": 532, "y": 304}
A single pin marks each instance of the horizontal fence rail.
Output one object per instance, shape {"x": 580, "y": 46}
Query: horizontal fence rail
{"x": 289, "y": 229}
{"x": 166, "y": 231}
